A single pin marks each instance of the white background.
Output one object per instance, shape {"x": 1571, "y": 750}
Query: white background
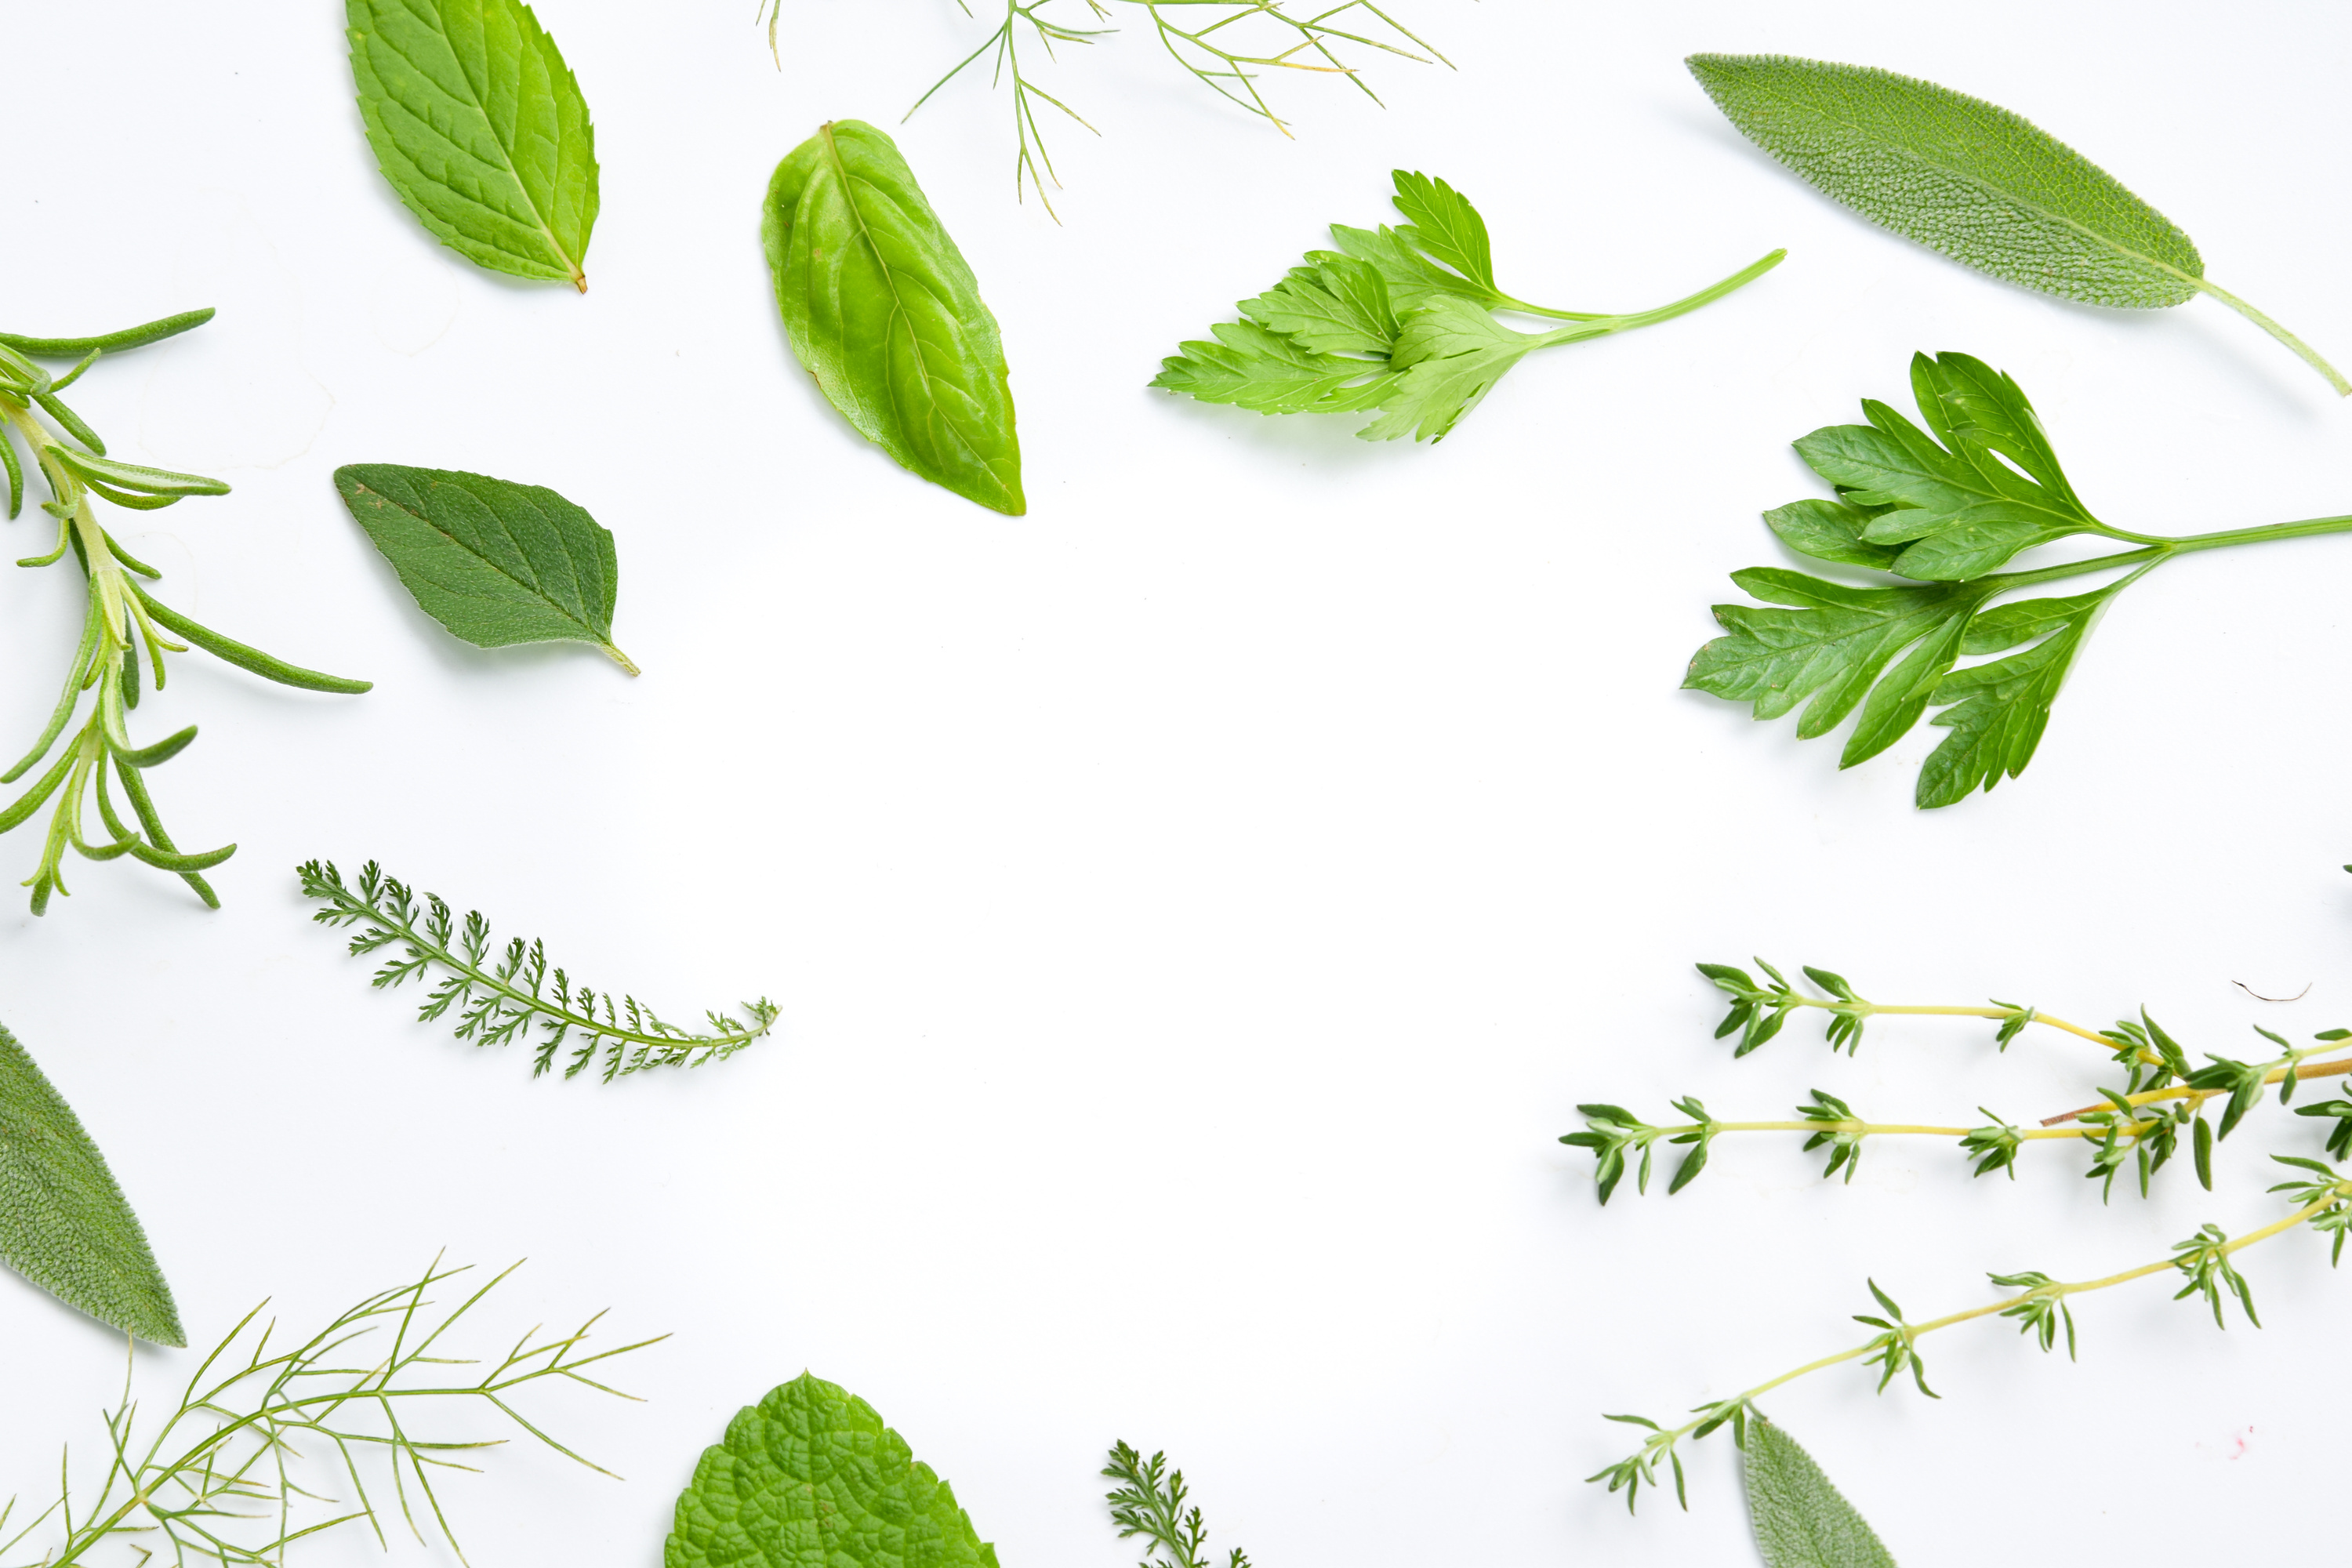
{"x": 1196, "y": 906}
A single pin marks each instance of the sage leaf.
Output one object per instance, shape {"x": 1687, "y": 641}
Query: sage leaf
{"x": 882, "y": 310}
{"x": 810, "y": 1477}
{"x": 496, "y": 563}
{"x": 477, "y": 123}
{"x": 1985, "y": 186}
{"x": 1800, "y": 1520}
{"x": 64, "y": 1223}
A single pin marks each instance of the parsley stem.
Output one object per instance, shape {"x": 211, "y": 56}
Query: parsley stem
{"x": 1600, "y": 326}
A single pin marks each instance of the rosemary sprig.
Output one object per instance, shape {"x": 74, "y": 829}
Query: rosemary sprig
{"x": 498, "y": 1001}
{"x": 218, "y": 1479}
{"x": 121, "y": 616}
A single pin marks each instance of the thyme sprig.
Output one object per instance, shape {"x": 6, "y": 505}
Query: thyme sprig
{"x": 220, "y": 1478}
{"x": 498, "y": 1001}
{"x": 119, "y": 619}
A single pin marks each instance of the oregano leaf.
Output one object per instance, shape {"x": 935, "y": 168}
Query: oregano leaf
{"x": 883, "y": 311}
{"x": 481, "y": 129}
{"x": 496, "y": 563}
{"x": 1800, "y": 1519}
{"x": 64, "y": 1223}
{"x": 810, "y": 1477}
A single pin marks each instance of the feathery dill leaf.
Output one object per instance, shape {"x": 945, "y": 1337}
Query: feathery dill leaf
{"x": 1150, "y": 1501}
{"x": 217, "y": 1478}
{"x": 498, "y": 1001}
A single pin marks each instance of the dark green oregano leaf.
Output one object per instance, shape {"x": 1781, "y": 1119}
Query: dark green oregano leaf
{"x": 64, "y": 1223}
{"x": 1800, "y": 1520}
{"x": 810, "y": 1477}
{"x": 496, "y": 563}
{"x": 1987, "y": 188}
{"x": 477, "y": 123}
{"x": 881, "y": 307}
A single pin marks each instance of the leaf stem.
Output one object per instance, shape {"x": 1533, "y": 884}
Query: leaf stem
{"x": 1599, "y": 326}
{"x": 2310, "y": 356}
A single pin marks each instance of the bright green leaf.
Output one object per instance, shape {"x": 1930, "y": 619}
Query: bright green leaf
{"x": 881, "y": 307}
{"x": 1446, "y": 227}
{"x": 1449, "y": 356}
{"x": 1800, "y": 1519}
{"x": 63, "y": 1225}
{"x": 1339, "y": 306}
{"x": 477, "y": 123}
{"x": 496, "y": 563}
{"x": 2000, "y": 709}
{"x": 810, "y": 1477}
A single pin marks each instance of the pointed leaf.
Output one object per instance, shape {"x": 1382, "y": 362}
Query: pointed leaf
{"x": 1800, "y": 1519}
{"x": 1252, "y": 368}
{"x": 883, "y": 311}
{"x": 810, "y": 1477}
{"x": 1338, "y": 307}
{"x": 496, "y": 563}
{"x": 1449, "y": 356}
{"x": 477, "y": 123}
{"x": 2000, "y": 709}
{"x": 1963, "y": 177}
{"x": 64, "y": 1223}
{"x": 1444, "y": 225}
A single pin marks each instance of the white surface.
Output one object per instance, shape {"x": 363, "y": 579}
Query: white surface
{"x": 1196, "y": 906}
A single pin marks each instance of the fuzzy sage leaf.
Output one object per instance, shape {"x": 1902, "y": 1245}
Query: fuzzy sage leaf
{"x": 496, "y": 563}
{"x": 883, "y": 311}
{"x": 64, "y": 1223}
{"x": 810, "y": 1476}
{"x": 1800, "y": 1519}
{"x": 477, "y": 123}
{"x": 1985, "y": 186}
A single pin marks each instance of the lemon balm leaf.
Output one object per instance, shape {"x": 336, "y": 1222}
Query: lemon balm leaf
{"x": 481, "y": 130}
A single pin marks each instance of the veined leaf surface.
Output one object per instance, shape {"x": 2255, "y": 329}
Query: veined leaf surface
{"x": 810, "y": 1477}
{"x": 882, "y": 308}
{"x": 64, "y": 1223}
{"x": 495, "y": 561}
{"x": 480, "y": 128}
{"x": 1968, "y": 178}
{"x": 1800, "y": 1519}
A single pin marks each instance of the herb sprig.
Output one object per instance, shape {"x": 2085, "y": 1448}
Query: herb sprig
{"x": 1150, "y": 1501}
{"x": 500, "y": 1001}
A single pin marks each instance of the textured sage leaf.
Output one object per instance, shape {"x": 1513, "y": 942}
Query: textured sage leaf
{"x": 477, "y": 123}
{"x": 810, "y": 1477}
{"x": 496, "y": 563}
{"x": 881, "y": 307}
{"x": 1800, "y": 1520}
{"x": 64, "y": 1223}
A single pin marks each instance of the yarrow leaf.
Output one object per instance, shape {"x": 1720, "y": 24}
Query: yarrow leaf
{"x": 481, "y": 130}
{"x": 883, "y": 311}
{"x": 1986, "y": 187}
{"x": 64, "y": 1223}
{"x": 810, "y": 1477}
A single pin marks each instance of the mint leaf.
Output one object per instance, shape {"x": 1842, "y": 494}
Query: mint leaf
{"x": 810, "y": 1477}
{"x": 64, "y": 1223}
{"x": 477, "y": 123}
{"x": 496, "y": 563}
{"x": 1985, "y": 186}
{"x": 2000, "y": 709}
{"x": 881, "y": 307}
{"x": 1800, "y": 1519}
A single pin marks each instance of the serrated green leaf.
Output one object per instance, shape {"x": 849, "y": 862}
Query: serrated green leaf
{"x": 882, "y": 308}
{"x": 1252, "y": 368}
{"x": 1445, "y": 226}
{"x": 1830, "y": 531}
{"x": 810, "y": 1477}
{"x": 1963, "y": 177}
{"x": 477, "y": 123}
{"x": 64, "y": 1223}
{"x": 1449, "y": 356}
{"x": 1800, "y": 1519}
{"x": 1414, "y": 280}
{"x": 495, "y": 561}
{"x": 1999, "y": 709}
{"x": 1339, "y": 306}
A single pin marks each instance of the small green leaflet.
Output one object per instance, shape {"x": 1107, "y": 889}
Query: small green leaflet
{"x": 881, "y": 307}
{"x": 1396, "y": 319}
{"x": 1800, "y": 1520}
{"x": 63, "y": 1222}
{"x": 810, "y": 1477}
{"x": 496, "y": 563}
{"x": 477, "y": 123}
{"x": 1970, "y": 179}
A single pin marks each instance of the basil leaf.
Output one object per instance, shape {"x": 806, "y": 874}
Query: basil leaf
{"x": 64, "y": 1223}
{"x": 477, "y": 123}
{"x": 882, "y": 310}
{"x": 496, "y": 563}
{"x": 810, "y": 1477}
{"x": 1800, "y": 1520}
